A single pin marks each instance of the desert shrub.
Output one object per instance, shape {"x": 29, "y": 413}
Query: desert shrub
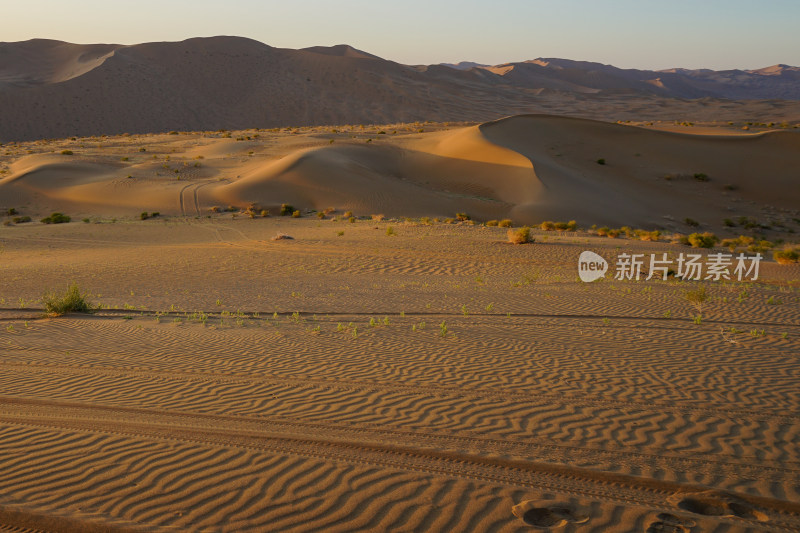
{"x": 66, "y": 152}
{"x": 603, "y": 231}
{"x": 729, "y": 223}
{"x": 286, "y": 210}
{"x": 296, "y": 214}
{"x": 329, "y": 210}
{"x": 216, "y": 209}
{"x": 320, "y": 215}
{"x": 613, "y": 233}
{"x": 71, "y": 301}
{"x": 143, "y": 149}
{"x": 173, "y": 133}
{"x": 155, "y": 214}
{"x": 21, "y": 220}
{"x": 378, "y": 218}
{"x": 145, "y": 215}
{"x": 448, "y": 221}
{"x": 56, "y": 218}
{"x": 645, "y": 235}
{"x": 548, "y": 225}
{"x": 787, "y": 256}
{"x": 462, "y": 216}
{"x": 390, "y": 231}
{"x": 601, "y": 161}
{"x": 505, "y": 223}
{"x": 628, "y": 231}
{"x": 86, "y": 220}
{"x": 491, "y": 223}
{"x": 348, "y": 214}
{"x": 264, "y": 213}
{"x": 691, "y": 222}
{"x": 352, "y": 220}
{"x": 740, "y": 241}
{"x": 697, "y": 297}
{"x": 701, "y": 176}
{"x": 519, "y": 236}
{"x": 11, "y": 211}
{"x": 760, "y": 246}
{"x": 426, "y": 221}
{"x": 702, "y": 240}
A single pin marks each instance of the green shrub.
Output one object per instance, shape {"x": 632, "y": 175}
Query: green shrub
{"x": 264, "y": 213}
{"x": 66, "y": 152}
{"x": 548, "y": 225}
{"x": 145, "y": 215}
{"x": 648, "y": 235}
{"x": 702, "y": 240}
{"x": 505, "y": 223}
{"x": 491, "y": 223}
{"x": 787, "y": 256}
{"x": 761, "y": 246}
{"x": 56, "y": 218}
{"x": 601, "y": 161}
{"x": 296, "y": 214}
{"x": 71, "y": 301}
{"x": 462, "y": 216}
{"x": 22, "y": 219}
{"x": 286, "y": 210}
{"x": 320, "y": 215}
{"x": 11, "y": 212}
{"x": 701, "y": 176}
{"x": 691, "y": 222}
{"x": 520, "y": 236}
{"x": 390, "y": 231}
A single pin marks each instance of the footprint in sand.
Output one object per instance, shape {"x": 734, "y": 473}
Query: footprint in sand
{"x": 669, "y": 523}
{"x": 718, "y": 504}
{"x": 550, "y": 516}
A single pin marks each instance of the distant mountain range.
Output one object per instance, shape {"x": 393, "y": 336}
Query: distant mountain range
{"x": 55, "y": 89}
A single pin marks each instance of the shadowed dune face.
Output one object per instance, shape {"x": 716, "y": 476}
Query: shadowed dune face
{"x": 528, "y": 168}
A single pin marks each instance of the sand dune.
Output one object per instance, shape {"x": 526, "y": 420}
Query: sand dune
{"x": 51, "y": 89}
{"x": 528, "y": 168}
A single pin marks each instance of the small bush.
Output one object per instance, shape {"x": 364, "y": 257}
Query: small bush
{"x": 286, "y": 210}
{"x": 11, "y": 212}
{"x": 143, "y": 149}
{"x": 86, "y": 220}
{"x": 761, "y": 246}
{"x": 601, "y": 161}
{"x": 390, "y": 231}
{"x": 352, "y": 220}
{"x": 547, "y": 225}
{"x": 603, "y": 231}
{"x": 145, "y": 215}
{"x": 491, "y": 223}
{"x": 462, "y": 217}
{"x": 701, "y": 176}
{"x": 729, "y": 223}
{"x": 71, "y": 301}
{"x": 296, "y": 214}
{"x": 702, "y": 240}
{"x": 56, "y": 218}
{"x": 520, "y": 236}
{"x": 691, "y": 222}
{"x": 320, "y": 215}
{"x": 22, "y": 219}
{"x": 505, "y": 223}
{"x": 216, "y": 209}
{"x": 155, "y": 214}
{"x": 787, "y": 257}
{"x": 66, "y": 152}
{"x": 378, "y": 218}
{"x": 264, "y": 213}
{"x": 697, "y": 297}
{"x": 652, "y": 236}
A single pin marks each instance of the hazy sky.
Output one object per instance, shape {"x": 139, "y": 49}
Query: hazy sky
{"x": 627, "y": 33}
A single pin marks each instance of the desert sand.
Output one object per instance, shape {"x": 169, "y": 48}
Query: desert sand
{"x": 394, "y": 373}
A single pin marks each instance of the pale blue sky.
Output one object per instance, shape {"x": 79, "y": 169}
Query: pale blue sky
{"x": 652, "y": 34}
